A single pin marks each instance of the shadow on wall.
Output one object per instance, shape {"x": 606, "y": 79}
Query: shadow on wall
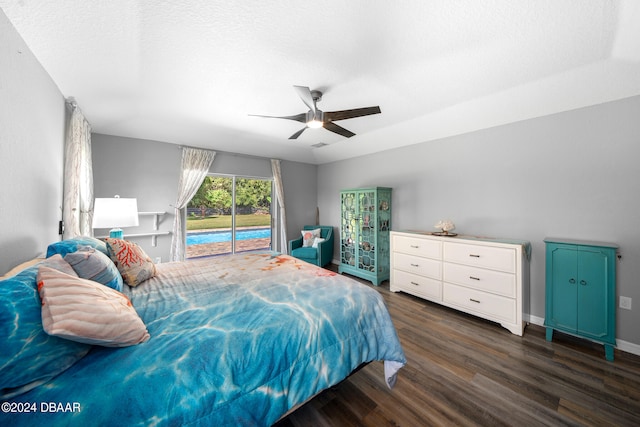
{"x": 16, "y": 251}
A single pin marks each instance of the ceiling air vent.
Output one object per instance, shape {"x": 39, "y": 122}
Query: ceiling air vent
{"x": 319, "y": 145}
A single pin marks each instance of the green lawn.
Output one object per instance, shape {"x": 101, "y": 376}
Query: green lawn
{"x": 224, "y": 221}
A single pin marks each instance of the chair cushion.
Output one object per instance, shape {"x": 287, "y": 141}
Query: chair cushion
{"x": 308, "y": 253}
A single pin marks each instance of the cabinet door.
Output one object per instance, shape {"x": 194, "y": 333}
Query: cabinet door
{"x": 348, "y": 228}
{"x": 592, "y": 293}
{"x": 366, "y": 259}
{"x": 562, "y": 303}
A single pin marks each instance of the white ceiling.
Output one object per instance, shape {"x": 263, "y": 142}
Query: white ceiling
{"x": 190, "y": 72}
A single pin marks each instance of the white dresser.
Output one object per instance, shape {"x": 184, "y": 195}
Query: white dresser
{"x": 485, "y": 277}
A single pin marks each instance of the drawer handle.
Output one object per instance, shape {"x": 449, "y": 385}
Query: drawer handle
{"x": 414, "y": 283}
{"x": 474, "y": 278}
{"x": 415, "y": 265}
{"x": 474, "y": 255}
{"x": 474, "y": 300}
{"x": 415, "y": 246}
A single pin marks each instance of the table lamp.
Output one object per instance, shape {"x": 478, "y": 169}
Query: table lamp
{"x": 115, "y": 213}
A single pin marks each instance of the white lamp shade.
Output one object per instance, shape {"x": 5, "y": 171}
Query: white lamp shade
{"x": 115, "y": 212}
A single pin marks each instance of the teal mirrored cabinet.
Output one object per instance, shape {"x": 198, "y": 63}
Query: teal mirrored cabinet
{"x": 581, "y": 290}
{"x": 364, "y": 233}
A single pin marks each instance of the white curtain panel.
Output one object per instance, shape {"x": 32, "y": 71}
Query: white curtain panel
{"x": 77, "y": 210}
{"x": 195, "y": 166}
{"x": 277, "y": 179}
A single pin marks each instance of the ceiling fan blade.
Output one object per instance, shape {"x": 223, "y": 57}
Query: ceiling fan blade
{"x": 349, "y": 114}
{"x": 305, "y": 94}
{"x": 338, "y": 129}
{"x": 302, "y": 117}
{"x": 297, "y": 134}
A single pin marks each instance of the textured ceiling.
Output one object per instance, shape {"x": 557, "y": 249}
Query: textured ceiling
{"x": 190, "y": 72}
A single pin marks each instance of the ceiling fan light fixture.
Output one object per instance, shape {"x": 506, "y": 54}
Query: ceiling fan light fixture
{"x": 314, "y": 124}
{"x": 315, "y": 119}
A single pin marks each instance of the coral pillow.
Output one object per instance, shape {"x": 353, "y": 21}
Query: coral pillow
{"x": 94, "y": 265}
{"x": 308, "y": 237}
{"x": 132, "y": 262}
{"x": 86, "y": 311}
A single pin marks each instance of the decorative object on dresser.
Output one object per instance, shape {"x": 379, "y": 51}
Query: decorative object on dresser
{"x": 364, "y": 233}
{"x": 445, "y": 228}
{"x": 581, "y": 290}
{"x": 486, "y": 277}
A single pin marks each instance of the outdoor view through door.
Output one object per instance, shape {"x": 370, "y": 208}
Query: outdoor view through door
{"x": 229, "y": 214}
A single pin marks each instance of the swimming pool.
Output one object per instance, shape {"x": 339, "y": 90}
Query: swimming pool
{"x": 225, "y": 236}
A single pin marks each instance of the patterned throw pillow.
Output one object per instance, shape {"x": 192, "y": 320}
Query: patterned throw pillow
{"x": 91, "y": 264}
{"x": 86, "y": 311}
{"x": 308, "y": 237}
{"x": 134, "y": 264}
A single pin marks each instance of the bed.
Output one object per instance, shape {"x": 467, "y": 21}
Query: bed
{"x": 232, "y": 340}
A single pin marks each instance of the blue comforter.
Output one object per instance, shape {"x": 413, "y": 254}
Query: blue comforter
{"x": 235, "y": 340}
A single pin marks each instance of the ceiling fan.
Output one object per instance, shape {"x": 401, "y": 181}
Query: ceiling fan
{"x": 315, "y": 118}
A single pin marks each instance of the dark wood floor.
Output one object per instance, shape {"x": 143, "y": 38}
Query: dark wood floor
{"x": 462, "y": 370}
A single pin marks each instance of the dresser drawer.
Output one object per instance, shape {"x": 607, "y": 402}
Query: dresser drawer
{"x": 493, "y": 307}
{"x": 482, "y": 279}
{"x": 417, "y": 265}
{"x": 417, "y": 285}
{"x": 502, "y": 259}
{"x": 417, "y": 246}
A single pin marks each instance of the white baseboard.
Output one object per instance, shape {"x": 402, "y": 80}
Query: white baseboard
{"x": 620, "y": 344}
{"x": 534, "y": 319}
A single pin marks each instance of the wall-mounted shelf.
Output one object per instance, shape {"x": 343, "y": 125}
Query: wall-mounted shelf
{"x": 153, "y": 234}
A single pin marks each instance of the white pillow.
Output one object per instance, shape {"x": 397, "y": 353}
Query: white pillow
{"x": 86, "y": 311}
{"x": 308, "y": 236}
{"x": 317, "y": 241}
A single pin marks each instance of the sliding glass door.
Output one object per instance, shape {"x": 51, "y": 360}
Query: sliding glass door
{"x": 229, "y": 214}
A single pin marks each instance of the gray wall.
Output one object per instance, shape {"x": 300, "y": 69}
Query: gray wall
{"x": 573, "y": 175}
{"x": 146, "y": 170}
{"x": 150, "y": 170}
{"x": 32, "y": 126}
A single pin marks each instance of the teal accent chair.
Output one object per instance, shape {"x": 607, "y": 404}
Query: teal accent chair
{"x": 320, "y": 256}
